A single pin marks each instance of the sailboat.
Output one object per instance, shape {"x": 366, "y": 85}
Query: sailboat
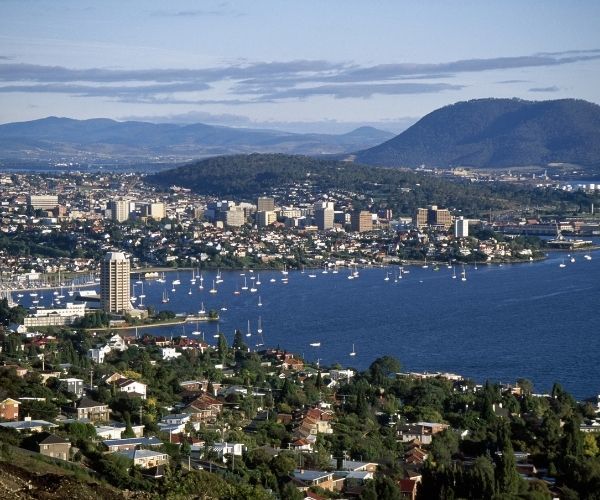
{"x": 335, "y": 269}
{"x": 165, "y": 297}
{"x": 324, "y": 271}
{"x": 249, "y": 334}
{"x": 587, "y": 257}
{"x": 193, "y": 278}
{"x": 245, "y": 287}
{"x": 353, "y": 353}
{"x": 454, "y": 273}
{"x": 562, "y": 264}
{"x": 213, "y": 289}
{"x": 190, "y": 291}
{"x": 201, "y": 287}
{"x": 133, "y": 298}
{"x": 312, "y": 275}
{"x": 202, "y": 310}
{"x": 142, "y": 295}
{"x": 285, "y": 271}
{"x": 272, "y": 280}
{"x": 237, "y": 290}
{"x": 463, "y": 274}
{"x": 425, "y": 266}
{"x": 253, "y": 289}
{"x": 258, "y": 279}
{"x": 259, "y": 302}
{"x": 260, "y": 331}
{"x": 197, "y": 330}
{"x": 387, "y": 277}
{"x": 219, "y": 279}
{"x": 315, "y": 344}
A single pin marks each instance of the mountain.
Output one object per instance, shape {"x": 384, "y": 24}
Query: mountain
{"x": 496, "y": 133}
{"x": 51, "y": 138}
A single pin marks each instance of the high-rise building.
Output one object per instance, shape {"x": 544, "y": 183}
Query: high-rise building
{"x": 156, "y": 211}
{"x": 235, "y": 217}
{"x": 115, "y": 283}
{"x": 119, "y": 210}
{"x": 433, "y": 216}
{"x": 265, "y": 204}
{"x": 361, "y": 221}
{"x": 461, "y": 228}
{"x": 265, "y": 218}
{"x": 324, "y": 218}
{"x": 42, "y": 202}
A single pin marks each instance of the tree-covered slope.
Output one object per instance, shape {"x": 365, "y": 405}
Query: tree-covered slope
{"x": 248, "y": 176}
{"x": 496, "y": 133}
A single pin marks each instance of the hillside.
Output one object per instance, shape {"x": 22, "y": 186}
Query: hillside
{"x": 496, "y": 133}
{"x": 248, "y": 176}
{"x": 53, "y": 138}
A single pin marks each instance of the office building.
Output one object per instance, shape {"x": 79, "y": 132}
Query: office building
{"x": 154, "y": 211}
{"x": 115, "y": 283}
{"x": 433, "y": 216}
{"x": 265, "y": 204}
{"x": 361, "y": 221}
{"x": 119, "y": 210}
{"x": 324, "y": 218}
{"x": 461, "y": 228}
{"x": 265, "y": 218}
{"x": 42, "y": 202}
{"x": 235, "y": 217}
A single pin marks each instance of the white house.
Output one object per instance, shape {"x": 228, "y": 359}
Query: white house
{"x": 169, "y": 353}
{"x": 222, "y": 449}
{"x": 132, "y": 387}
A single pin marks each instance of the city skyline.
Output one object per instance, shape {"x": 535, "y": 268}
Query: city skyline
{"x": 312, "y": 67}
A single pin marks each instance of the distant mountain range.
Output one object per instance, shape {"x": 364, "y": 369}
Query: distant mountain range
{"x": 97, "y": 139}
{"x": 496, "y": 133}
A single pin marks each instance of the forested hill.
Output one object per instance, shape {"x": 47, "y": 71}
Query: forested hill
{"x": 497, "y": 133}
{"x": 244, "y": 177}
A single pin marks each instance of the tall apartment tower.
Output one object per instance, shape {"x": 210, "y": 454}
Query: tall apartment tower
{"x": 461, "y": 228}
{"x": 115, "y": 283}
{"x": 361, "y": 221}
{"x": 324, "y": 213}
{"x": 265, "y": 204}
{"x": 119, "y": 210}
{"x": 43, "y": 202}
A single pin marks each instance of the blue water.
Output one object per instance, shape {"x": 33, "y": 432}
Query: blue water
{"x": 534, "y": 320}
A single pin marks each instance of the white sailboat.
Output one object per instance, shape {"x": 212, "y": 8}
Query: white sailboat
{"x": 562, "y": 264}
{"x": 353, "y": 353}
{"x": 202, "y": 310}
{"x": 248, "y": 334}
{"x": 387, "y": 277}
{"x": 245, "y": 287}
{"x": 201, "y": 287}
{"x": 213, "y": 289}
{"x": 165, "y": 297}
{"x": 259, "y": 330}
{"x": 219, "y": 278}
{"x": 258, "y": 279}
{"x": 463, "y": 274}
{"x": 190, "y": 291}
{"x": 315, "y": 344}
{"x": 454, "y": 273}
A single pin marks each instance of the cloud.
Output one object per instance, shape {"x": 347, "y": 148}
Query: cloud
{"x": 266, "y": 81}
{"x": 222, "y": 9}
{"x": 362, "y": 90}
{"x": 512, "y": 81}
{"x": 553, "y": 88}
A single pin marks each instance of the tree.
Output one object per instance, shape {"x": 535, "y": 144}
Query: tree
{"x": 507, "y": 478}
{"x": 382, "y": 368}
{"x": 222, "y": 347}
{"x": 238, "y": 342}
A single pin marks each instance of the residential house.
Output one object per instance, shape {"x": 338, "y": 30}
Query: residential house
{"x": 222, "y": 449}
{"x": 73, "y": 385}
{"x": 114, "y": 445}
{"x": 9, "y": 409}
{"x": 322, "y": 479}
{"x": 28, "y": 425}
{"x": 88, "y": 409}
{"x": 204, "y": 408}
{"x": 408, "y": 488}
{"x": 55, "y": 447}
{"x": 132, "y": 387}
{"x": 145, "y": 459}
{"x": 421, "y": 431}
{"x": 116, "y": 430}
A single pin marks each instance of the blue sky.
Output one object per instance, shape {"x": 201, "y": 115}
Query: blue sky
{"x": 306, "y": 65}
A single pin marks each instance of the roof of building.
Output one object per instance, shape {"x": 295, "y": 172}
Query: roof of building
{"x": 27, "y": 424}
{"x": 143, "y": 441}
{"x": 53, "y": 439}
{"x": 133, "y": 454}
{"x": 86, "y": 402}
{"x": 311, "y": 475}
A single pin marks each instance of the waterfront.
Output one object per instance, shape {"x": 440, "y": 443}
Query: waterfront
{"x": 528, "y": 320}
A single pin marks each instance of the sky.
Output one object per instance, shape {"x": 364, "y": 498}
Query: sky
{"x": 309, "y": 65}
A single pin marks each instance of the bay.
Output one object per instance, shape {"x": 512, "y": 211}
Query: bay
{"x": 533, "y": 320}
